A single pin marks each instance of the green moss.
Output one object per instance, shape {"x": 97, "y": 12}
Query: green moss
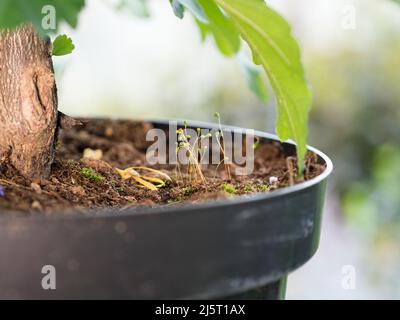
{"x": 228, "y": 188}
{"x": 263, "y": 187}
{"x": 248, "y": 188}
{"x": 188, "y": 191}
{"x": 58, "y": 145}
{"x": 91, "y": 175}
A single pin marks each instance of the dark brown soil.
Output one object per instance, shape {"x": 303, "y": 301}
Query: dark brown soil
{"x": 78, "y": 183}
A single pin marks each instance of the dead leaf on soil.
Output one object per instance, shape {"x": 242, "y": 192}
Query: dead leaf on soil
{"x": 151, "y": 183}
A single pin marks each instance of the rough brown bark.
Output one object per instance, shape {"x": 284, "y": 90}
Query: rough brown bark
{"x": 28, "y": 102}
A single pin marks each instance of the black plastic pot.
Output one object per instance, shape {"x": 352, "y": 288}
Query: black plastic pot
{"x": 239, "y": 248}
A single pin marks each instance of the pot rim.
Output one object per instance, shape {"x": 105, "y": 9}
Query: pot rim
{"x": 110, "y": 212}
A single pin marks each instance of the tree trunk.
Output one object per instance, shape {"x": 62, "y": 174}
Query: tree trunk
{"x": 28, "y": 102}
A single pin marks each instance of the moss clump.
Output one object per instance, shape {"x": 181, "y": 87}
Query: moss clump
{"x": 58, "y": 145}
{"x": 263, "y": 188}
{"x": 248, "y": 188}
{"x": 188, "y": 191}
{"x": 91, "y": 175}
{"x": 228, "y": 188}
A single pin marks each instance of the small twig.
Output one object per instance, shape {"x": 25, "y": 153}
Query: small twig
{"x": 290, "y": 170}
{"x": 178, "y": 172}
{"x": 222, "y": 145}
{"x": 307, "y": 168}
{"x": 10, "y": 183}
{"x": 67, "y": 122}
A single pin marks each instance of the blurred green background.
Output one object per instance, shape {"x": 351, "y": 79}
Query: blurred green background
{"x": 127, "y": 66}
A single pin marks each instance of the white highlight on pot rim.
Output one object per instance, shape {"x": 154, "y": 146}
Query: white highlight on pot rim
{"x": 238, "y": 147}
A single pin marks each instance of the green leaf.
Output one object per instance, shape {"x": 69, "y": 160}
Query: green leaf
{"x": 62, "y": 45}
{"x": 178, "y": 8}
{"x": 253, "y": 75}
{"x": 192, "y": 5}
{"x": 221, "y": 27}
{"x": 16, "y": 12}
{"x": 138, "y": 8}
{"x": 256, "y": 59}
{"x": 204, "y": 29}
{"x": 269, "y": 37}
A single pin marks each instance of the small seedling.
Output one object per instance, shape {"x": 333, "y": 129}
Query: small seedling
{"x": 256, "y": 143}
{"x": 91, "y": 175}
{"x": 194, "y": 153}
{"x": 221, "y": 143}
{"x": 120, "y": 189}
{"x": 228, "y": 188}
{"x": 201, "y": 147}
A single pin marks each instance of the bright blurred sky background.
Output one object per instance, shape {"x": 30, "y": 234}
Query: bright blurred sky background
{"x": 124, "y": 66}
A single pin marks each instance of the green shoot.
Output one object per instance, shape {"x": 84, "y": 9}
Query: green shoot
{"x": 220, "y": 137}
{"x": 257, "y": 143}
{"x": 194, "y": 168}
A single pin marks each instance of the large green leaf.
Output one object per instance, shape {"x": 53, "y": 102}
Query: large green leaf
{"x": 204, "y": 29}
{"x": 15, "y": 12}
{"x": 139, "y": 8}
{"x": 269, "y": 37}
{"x": 221, "y": 27}
{"x": 192, "y": 5}
{"x": 253, "y": 75}
{"x": 178, "y": 8}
